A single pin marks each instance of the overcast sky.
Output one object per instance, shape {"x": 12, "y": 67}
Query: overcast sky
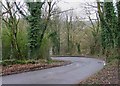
{"x": 77, "y": 5}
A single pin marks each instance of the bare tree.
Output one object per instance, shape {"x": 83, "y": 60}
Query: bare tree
{"x": 11, "y": 18}
{"x": 90, "y": 10}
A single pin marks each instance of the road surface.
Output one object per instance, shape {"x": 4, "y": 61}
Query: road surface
{"x": 80, "y": 69}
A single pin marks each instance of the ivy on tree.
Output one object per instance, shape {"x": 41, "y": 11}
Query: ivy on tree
{"x": 35, "y": 21}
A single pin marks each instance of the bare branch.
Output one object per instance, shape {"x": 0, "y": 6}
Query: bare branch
{"x": 3, "y": 5}
{"x": 20, "y": 11}
{"x": 62, "y": 11}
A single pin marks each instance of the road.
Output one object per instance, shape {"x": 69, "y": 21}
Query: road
{"x": 80, "y": 69}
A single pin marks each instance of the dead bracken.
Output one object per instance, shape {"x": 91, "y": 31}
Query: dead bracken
{"x": 108, "y": 75}
{"x": 20, "y": 68}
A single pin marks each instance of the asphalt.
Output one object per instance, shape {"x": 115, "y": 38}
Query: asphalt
{"x": 80, "y": 69}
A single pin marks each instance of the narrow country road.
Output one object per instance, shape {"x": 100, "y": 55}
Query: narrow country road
{"x": 78, "y": 70}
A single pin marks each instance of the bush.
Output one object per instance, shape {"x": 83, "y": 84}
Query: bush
{"x": 8, "y": 62}
{"x": 6, "y": 43}
{"x": 23, "y": 42}
{"x": 44, "y": 50}
{"x": 13, "y": 61}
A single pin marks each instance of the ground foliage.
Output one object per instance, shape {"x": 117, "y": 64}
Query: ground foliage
{"x": 108, "y": 75}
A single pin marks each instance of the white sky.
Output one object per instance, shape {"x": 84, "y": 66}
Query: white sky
{"x": 68, "y": 4}
{"x": 77, "y": 5}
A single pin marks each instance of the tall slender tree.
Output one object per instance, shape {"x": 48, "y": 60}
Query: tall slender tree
{"x": 110, "y": 18}
{"x": 108, "y": 25}
{"x": 118, "y": 27}
{"x": 11, "y": 23}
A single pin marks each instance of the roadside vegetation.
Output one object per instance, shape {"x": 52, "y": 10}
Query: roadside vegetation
{"x": 108, "y": 75}
{"x": 35, "y": 31}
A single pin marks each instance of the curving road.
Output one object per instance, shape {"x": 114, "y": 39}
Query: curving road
{"x": 80, "y": 69}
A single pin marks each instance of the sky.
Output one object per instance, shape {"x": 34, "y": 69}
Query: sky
{"x": 77, "y": 5}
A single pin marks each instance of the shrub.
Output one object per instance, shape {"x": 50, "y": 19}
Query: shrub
{"x": 44, "y": 49}
{"x": 6, "y": 43}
